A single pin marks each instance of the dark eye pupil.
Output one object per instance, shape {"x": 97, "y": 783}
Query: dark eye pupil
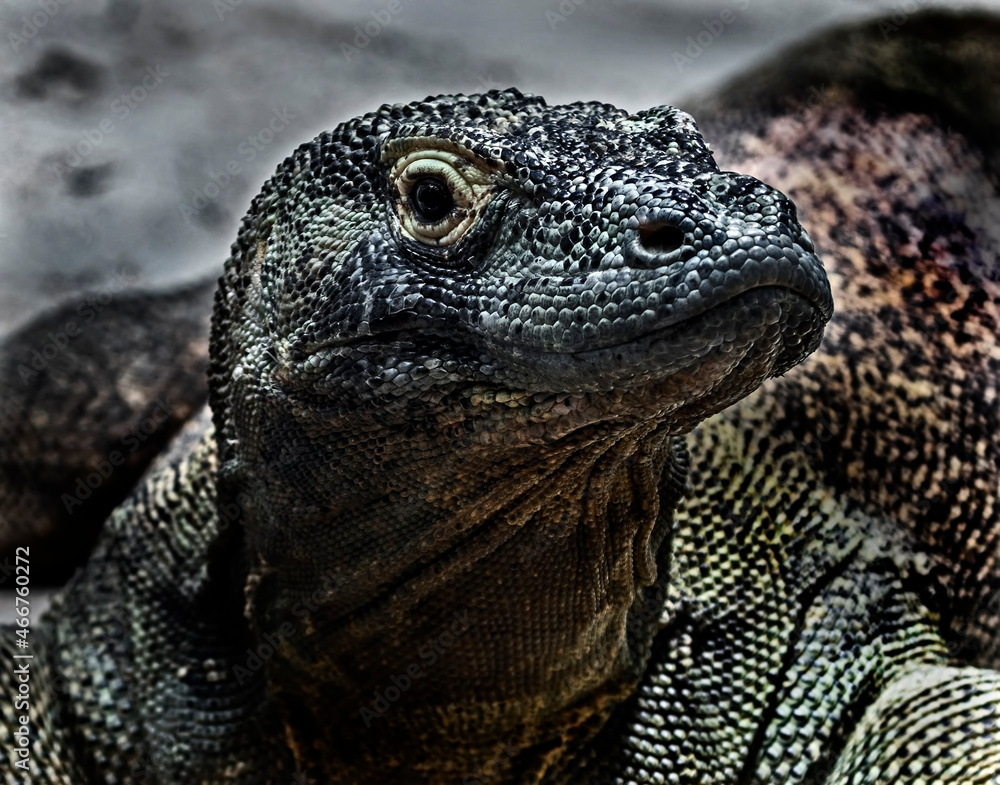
{"x": 431, "y": 199}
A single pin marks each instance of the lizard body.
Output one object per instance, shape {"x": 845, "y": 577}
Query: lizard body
{"x": 794, "y": 619}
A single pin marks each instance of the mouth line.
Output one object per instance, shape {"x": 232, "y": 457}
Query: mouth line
{"x": 730, "y": 326}
{"x": 411, "y": 337}
{"x": 679, "y": 322}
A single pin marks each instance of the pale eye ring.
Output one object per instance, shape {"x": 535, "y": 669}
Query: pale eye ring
{"x": 441, "y": 194}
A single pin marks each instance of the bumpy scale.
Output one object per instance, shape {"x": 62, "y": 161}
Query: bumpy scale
{"x": 432, "y": 533}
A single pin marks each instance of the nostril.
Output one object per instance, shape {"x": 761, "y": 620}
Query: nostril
{"x": 661, "y": 239}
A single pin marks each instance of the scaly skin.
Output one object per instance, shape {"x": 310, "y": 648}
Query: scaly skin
{"x": 115, "y": 371}
{"x": 807, "y": 613}
{"x": 862, "y": 489}
{"x": 427, "y": 406}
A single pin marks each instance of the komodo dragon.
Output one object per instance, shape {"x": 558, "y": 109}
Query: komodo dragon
{"x": 439, "y": 532}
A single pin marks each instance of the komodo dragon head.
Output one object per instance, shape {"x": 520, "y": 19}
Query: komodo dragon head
{"x": 451, "y": 351}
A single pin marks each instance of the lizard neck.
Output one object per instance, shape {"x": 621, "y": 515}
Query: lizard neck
{"x": 506, "y": 604}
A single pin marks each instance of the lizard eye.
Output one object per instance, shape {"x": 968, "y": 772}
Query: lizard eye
{"x": 431, "y": 200}
{"x": 441, "y": 194}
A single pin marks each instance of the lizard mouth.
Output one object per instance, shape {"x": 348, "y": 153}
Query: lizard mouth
{"x": 608, "y": 331}
{"x": 778, "y": 324}
{"x": 700, "y": 343}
